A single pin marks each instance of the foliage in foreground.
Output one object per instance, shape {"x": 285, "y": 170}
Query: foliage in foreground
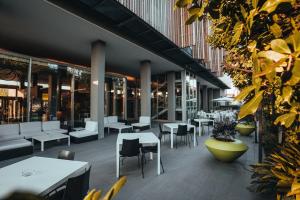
{"x": 262, "y": 41}
{"x": 278, "y": 173}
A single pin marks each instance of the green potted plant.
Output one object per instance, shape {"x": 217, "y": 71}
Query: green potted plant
{"x": 245, "y": 128}
{"x": 223, "y": 145}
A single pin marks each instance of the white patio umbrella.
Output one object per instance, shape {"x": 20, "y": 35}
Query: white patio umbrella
{"x": 223, "y": 99}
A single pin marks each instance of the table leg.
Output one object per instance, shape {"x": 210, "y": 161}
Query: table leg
{"x": 69, "y": 141}
{"x": 200, "y": 128}
{"x": 171, "y": 138}
{"x": 42, "y": 145}
{"x": 158, "y": 158}
{"x": 195, "y": 136}
{"x": 151, "y": 156}
{"x": 117, "y": 161}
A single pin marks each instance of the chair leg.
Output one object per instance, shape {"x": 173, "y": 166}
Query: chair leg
{"x": 176, "y": 140}
{"x": 143, "y": 158}
{"x": 162, "y": 166}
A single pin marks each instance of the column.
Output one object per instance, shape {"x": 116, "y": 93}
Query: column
{"x": 205, "y": 98}
{"x": 210, "y": 98}
{"x": 97, "y": 85}
{"x": 171, "y": 96}
{"x": 183, "y": 96}
{"x": 145, "y": 76}
{"x": 199, "y": 96}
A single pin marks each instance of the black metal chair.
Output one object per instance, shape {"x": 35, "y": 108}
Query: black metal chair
{"x": 131, "y": 148}
{"x": 163, "y": 133}
{"x": 66, "y": 155}
{"x": 76, "y": 188}
{"x": 152, "y": 149}
{"x": 183, "y": 133}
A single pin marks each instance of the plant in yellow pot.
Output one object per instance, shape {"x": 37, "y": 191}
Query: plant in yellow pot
{"x": 245, "y": 129}
{"x": 222, "y": 145}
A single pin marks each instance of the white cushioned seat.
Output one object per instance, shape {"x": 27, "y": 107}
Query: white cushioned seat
{"x": 14, "y": 144}
{"x": 53, "y": 127}
{"x": 91, "y": 128}
{"x": 30, "y": 129}
{"x": 9, "y": 132}
{"x": 144, "y": 121}
{"x": 82, "y": 134}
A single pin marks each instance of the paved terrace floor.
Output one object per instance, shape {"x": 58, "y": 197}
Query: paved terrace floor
{"x": 190, "y": 173}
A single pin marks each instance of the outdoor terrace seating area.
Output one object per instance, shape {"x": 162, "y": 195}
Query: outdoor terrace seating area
{"x": 189, "y": 167}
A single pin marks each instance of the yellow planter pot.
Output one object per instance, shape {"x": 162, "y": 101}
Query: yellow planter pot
{"x": 226, "y": 151}
{"x": 245, "y": 129}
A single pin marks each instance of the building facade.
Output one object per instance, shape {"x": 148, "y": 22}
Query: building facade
{"x": 90, "y": 59}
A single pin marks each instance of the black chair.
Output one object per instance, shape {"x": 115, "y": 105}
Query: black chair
{"x": 76, "y": 188}
{"x": 131, "y": 148}
{"x": 183, "y": 133}
{"x": 164, "y": 133}
{"x": 66, "y": 155}
{"x": 152, "y": 149}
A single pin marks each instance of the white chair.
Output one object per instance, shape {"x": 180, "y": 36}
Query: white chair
{"x": 12, "y": 144}
{"x": 53, "y": 127}
{"x": 144, "y": 122}
{"x": 30, "y": 129}
{"x": 9, "y": 132}
{"x": 90, "y": 132}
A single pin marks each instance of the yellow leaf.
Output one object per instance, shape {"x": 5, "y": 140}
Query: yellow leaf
{"x": 280, "y": 46}
{"x": 182, "y": 3}
{"x": 191, "y": 19}
{"x": 244, "y": 12}
{"x": 254, "y": 3}
{"x": 287, "y": 93}
{"x": 244, "y": 93}
{"x": 251, "y": 106}
{"x": 294, "y": 40}
{"x": 238, "y": 29}
{"x": 271, "y": 5}
{"x": 286, "y": 119}
{"x": 252, "y": 46}
{"x": 296, "y": 68}
{"x": 272, "y": 55}
{"x": 276, "y": 30}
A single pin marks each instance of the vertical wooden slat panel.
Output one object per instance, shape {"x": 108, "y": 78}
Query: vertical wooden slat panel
{"x": 161, "y": 15}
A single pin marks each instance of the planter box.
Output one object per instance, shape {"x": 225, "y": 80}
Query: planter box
{"x": 245, "y": 129}
{"x": 226, "y": 151}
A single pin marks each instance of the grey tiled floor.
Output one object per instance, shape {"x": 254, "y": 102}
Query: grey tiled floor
{"x": 190, "y": 173}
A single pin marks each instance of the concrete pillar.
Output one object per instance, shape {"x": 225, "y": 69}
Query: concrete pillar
{"x": 199, "y": 96}
{"x": 97, "y": 85}
{"x": 171, "y": 96}
{"x": 210, "y": 98}
{"x": 183, "y": 96}
{"x": 205, "y": 98}
{"x": 145, "y": 76}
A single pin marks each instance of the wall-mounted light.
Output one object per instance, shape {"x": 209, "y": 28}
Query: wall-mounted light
{"x": 95, "y": 82}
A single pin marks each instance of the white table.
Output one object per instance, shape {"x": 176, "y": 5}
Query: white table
{"x": 119, "y": 127}
{"x": 144, "y": 138}
{"x": 49, "y": 137}
{"x": 203, "y": 120}
{"x": 45, "y": 174}
{"x": 172, "y": 127}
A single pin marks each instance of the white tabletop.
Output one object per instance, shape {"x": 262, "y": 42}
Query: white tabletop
{"x": 144, "y": 138}
{"x": 38, "y": 174}
{"x": 50, "y": 136}
{"x": 203, "y": 120}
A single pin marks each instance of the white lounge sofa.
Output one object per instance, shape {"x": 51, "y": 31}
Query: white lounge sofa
{"x": 30, "y": 129}
{"x": 53, "y": 127}
{"x": 144, "y": 123}
{"x": 12, "y": 144}
{"x": 89, "y": 133}
{"x": 110, "y": 121}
